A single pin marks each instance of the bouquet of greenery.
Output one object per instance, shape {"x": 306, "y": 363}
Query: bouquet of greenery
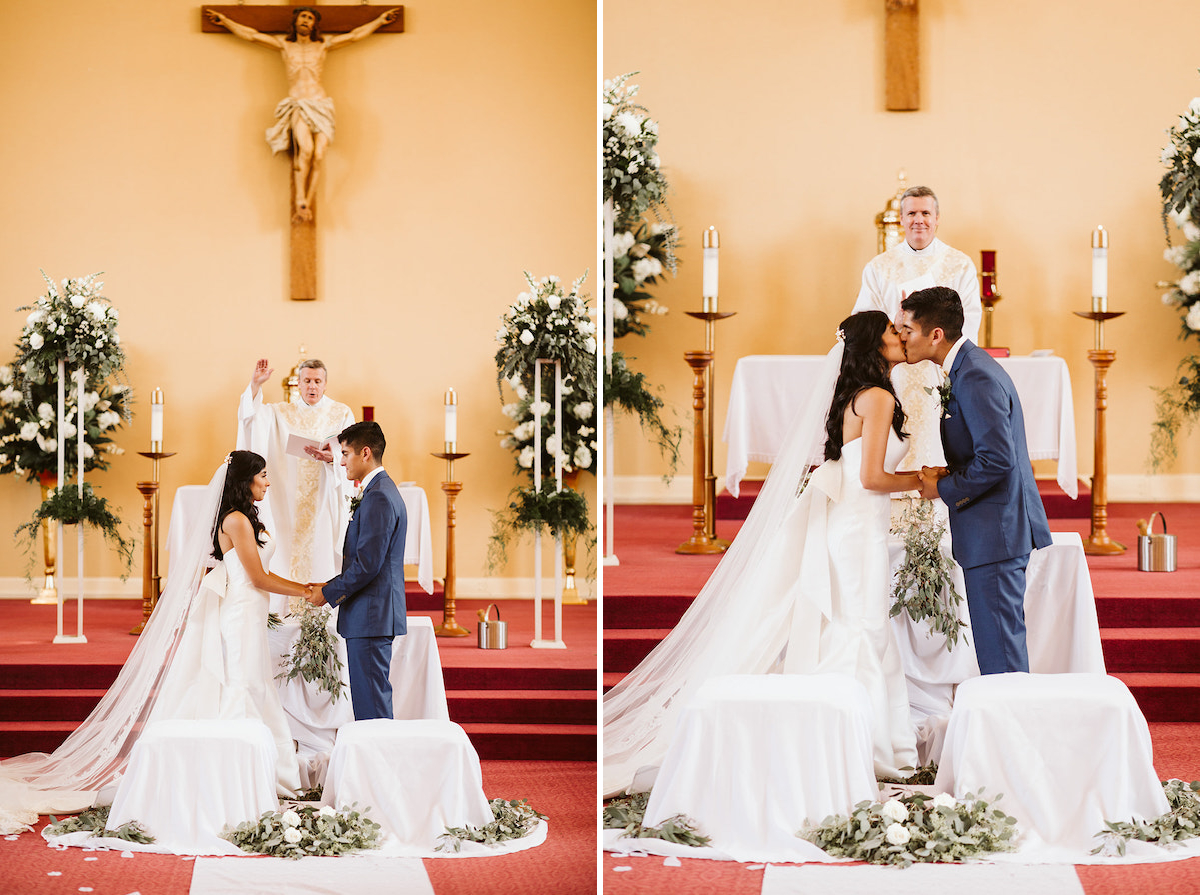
{"x": 633, "y": 179}
{"x": 627, "y": 813}
{"x": 1182, "y": 821}
{"x": 66, "y": 505}
{"x": 314, "y": 656}
{"x": 72, "y": 322}
{"x": 923, "y": 587}
{"x": 916, "y": 828}
{"x": 306, "y": 830}
{"x": 512, "y": 819}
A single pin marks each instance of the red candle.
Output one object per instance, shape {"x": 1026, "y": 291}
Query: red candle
{"x": 368, "y": 413}
{"x": 989, "y": 261}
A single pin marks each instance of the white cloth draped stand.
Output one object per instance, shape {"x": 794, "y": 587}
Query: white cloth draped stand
{"x": 768, "y": 390}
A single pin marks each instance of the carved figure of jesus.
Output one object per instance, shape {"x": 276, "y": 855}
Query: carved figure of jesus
{"x": 304, "y": 119}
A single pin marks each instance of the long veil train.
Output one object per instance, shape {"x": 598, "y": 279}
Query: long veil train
{"x": 85, "y": 769}
{"x": 741, "y": 621}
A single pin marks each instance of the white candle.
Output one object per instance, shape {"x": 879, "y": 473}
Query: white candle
{"x": 451, "y": 418}
{"x": 1100, "y": 264}
{"x": 712, "y": 242}
{"x": 156, "y": 419}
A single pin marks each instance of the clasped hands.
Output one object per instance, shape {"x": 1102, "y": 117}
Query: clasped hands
{"x": 929, "y": 477}
{"x": 313, "y": 593}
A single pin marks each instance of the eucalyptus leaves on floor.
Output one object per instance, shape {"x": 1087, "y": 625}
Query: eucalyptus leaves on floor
{"x": 1181, "y": 822}
{"x": 306, "y": 830}
{"x": 96, "y": 821}
{"x": 514, "y": 819}
{"x": 627, "y": 812}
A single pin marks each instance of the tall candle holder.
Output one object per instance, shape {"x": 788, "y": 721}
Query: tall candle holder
{"x": 1099, "y": 543}
{"x": 710, "y": 315}
{"x": 988, "y": 294}
{"x": 450, "y": 626}
{"x": 699, "y": 543}
{"x": 151, "y": 580}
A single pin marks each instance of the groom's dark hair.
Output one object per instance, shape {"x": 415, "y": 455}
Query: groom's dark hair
{"x": 936, "y": 308}
{"x": 365, "y": 434}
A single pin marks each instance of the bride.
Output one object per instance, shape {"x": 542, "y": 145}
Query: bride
{"x": 202, "y": 654}
{"x": 804, "y": 588}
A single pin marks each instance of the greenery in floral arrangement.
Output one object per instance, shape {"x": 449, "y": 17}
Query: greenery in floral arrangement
{"x": 67, "y": 506}
{"x": 531, "y": 511}
{"x": 627, "y": 813}
{"x": 925, "y": 775}
{"x": 95, "y": 821}
{"x": 29, "y": 428}
{"x": 1182, "y": 821}
{"x": 642, "y": 254}
{"x": 513, "y": 819}
{"x": 916, "y": 828}
{"x": 924, "y": 588}
{"x": 73, "y": 322}
{"x": 630, "y": 391}
{"x": 306, "y": 830}
{"x": 314, "y": 655}
{"x": 1177, "y": 405}
{"x": 311, "y": 795}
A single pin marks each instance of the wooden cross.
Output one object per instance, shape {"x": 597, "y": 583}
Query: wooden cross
{"x": 902, "y": 56}
{"x": 267, "y": 20}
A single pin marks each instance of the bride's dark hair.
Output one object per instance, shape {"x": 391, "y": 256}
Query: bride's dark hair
{"x": 243, "y": 467}
{"x": 863, "y": 367}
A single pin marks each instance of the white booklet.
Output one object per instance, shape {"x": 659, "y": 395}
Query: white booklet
{"x": 296, "y": 444}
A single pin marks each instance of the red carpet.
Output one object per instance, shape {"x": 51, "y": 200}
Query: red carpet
{"x": 1150, "y": 631}
{"x": 517, "y": 704}
{"x": 565, "y": 791}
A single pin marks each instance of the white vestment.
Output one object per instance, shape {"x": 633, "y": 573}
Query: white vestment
{"x": 307, "y": 506}
{"x": 886, "y": 280}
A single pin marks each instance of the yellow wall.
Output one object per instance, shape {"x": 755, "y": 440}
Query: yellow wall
{"x": 1038, "y": 121}
{"x": 465, "y": 152}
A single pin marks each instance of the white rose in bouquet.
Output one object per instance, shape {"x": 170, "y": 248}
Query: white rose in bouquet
{"x": 896, "y": 834}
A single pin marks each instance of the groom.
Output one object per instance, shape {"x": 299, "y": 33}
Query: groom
{"x": 996, "y": 515}
{"x": 370, "y": 590}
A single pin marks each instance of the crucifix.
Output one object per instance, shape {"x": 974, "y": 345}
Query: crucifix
{"x": 304, "y": 118}
{"x": 902, "y": 56}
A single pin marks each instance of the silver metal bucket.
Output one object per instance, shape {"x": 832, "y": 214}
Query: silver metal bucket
{"x": 1156, "y": 553}
{"x": 492, "y": 634}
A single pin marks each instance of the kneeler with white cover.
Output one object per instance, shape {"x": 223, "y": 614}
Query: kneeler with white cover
{"x": 1067, "y": 751}
{"x": 756, "y": 757}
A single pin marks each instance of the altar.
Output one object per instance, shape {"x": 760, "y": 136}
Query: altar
{"x": 768, "y": 390}
{"x": 418, "y": 541}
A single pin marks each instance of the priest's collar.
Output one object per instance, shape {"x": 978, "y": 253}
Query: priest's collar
{"x": 320, "y": 405}
{"x": 934, "y": 244}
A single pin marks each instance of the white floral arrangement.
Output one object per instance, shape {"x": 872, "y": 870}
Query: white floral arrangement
{"x": 74, "y": 322}
{"x": 642, "y": 255}
{"x": 1178, "y": 405}
{"x": 306, "y": 830}
{"x": 916, "y": 828}
{"x": 29, "y": 428}
{"x": 633, "y": 179}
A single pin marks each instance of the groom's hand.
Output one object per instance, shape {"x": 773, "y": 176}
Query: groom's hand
{"x": 929, "y": 476}
{"x": 314, "y": 595}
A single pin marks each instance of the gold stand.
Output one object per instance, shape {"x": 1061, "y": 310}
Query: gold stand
{"x": 48, "y": 595}
{"x": 1099, "y": 543}
{"x": 151, "y": 580}
{"x": 710, "y": 477}
{"x": 699, "y": 543}
{"x": 450, "y": 626}
{"x": 570, "y": 596}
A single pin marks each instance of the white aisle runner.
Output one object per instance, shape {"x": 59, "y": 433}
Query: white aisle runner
{"x": 310, "y": 876}
{"x": 922, "y": 879}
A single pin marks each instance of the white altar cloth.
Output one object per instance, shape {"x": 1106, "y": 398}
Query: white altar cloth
{"x": 754, "y": 757}
{"x": 188, "y": 780}
{"x": 418, "y": 539}
{"x": 1068, "y": 752}
{"x": 768, "y": 390}
{"x": 418, "y": 688}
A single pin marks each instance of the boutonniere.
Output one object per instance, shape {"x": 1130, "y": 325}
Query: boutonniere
{"x": 354, "y": 502}
{"x": 944, "y": 393}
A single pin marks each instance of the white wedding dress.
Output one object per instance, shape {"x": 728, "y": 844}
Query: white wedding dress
{"x": 803, "y": 589}
{"x": 222, "y": 669}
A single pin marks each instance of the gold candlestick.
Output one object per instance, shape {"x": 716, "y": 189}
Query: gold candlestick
{"x": 1099, "y": 543}
{"x": 450, "y": 626}
{"x": 699, "y": 543}
{"x": 151, "y": 579}
{"x": 710, "y": 476}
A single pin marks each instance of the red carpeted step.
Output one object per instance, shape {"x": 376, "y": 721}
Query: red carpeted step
{"x": 1151, "y": 649}
{"x": 623, "y": 649}
{"x": 611, "y": 678}
{"x": 730, "y": 507}
{"x": 1165, "y": 697}
{"x": 37, "y": 675}
{"x": 416, "y": 600}
{"x": 1136, "y": 611}
{"x": 19, "y": 737}
{"x": 522, "y": 706}
{"x": 649, "y": 611}
{"x": 47, "y": 705}
{"x": 518, "y": 678}
{"x": 525, "y": 742}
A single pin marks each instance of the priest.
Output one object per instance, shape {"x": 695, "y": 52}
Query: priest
{"x": 307, "y": 507}
{"x": 921, "y": 261}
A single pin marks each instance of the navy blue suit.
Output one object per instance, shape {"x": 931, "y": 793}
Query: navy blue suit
{"x": 370, "y": 595}
{"x": 996, "y": 515}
